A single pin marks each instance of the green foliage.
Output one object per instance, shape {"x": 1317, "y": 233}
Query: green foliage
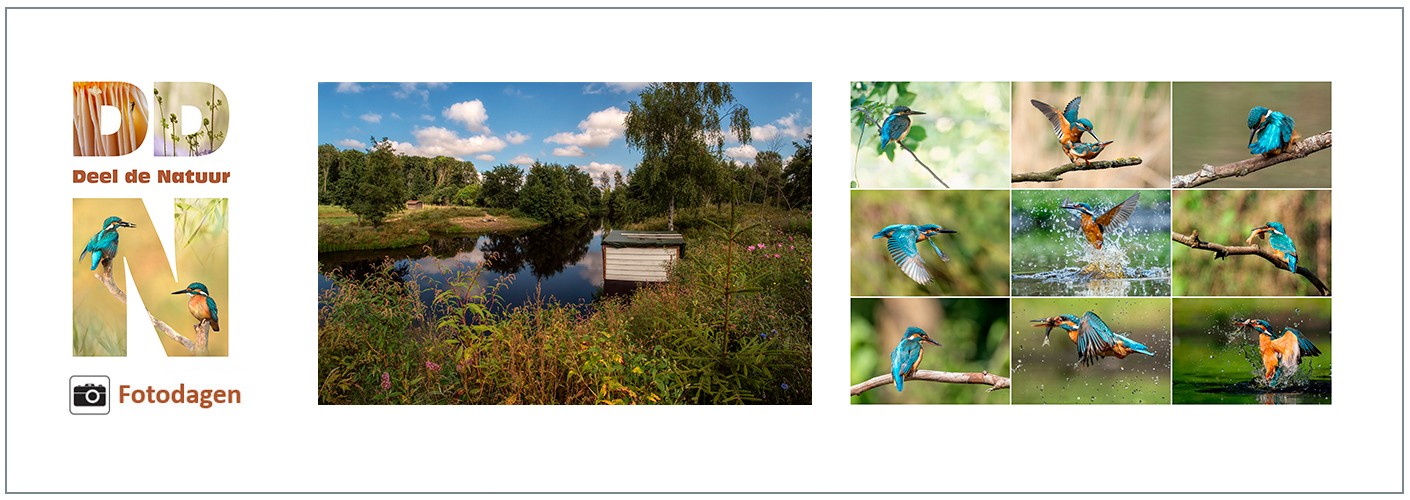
{"x": 467, "y": 195}
{"x": 677, "y": 127}
{"x": 964, "y": 134}
{"x": 549, "y": 193}
{"x": 798, "y": 175}
{"x": 973, "y": 334}
{"x": 500, "y": 187}
{"x": 381, "y": 189}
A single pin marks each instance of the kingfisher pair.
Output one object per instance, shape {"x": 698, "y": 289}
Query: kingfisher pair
{"x": 1094, "y": 339}
{"x": 104, "y": 246}
{"x": 905, "y": 359}
{"x": 1282, "y": 245}
{"x": 1270, "y": 132}
{"x": 1069, "y": 129}
{"x": 897, "y": 125}
{"x": 901, "y": 240}
{"x": 1281, "y": 353}
{"x": 1094, "y": 227}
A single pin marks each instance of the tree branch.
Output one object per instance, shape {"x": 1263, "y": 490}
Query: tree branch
{"x": 1210, "y": 173}
{"x": 197, "y": 346}
{"x": 984, "y": 378}
{"x": 1055, "y": 174}
{"x": 867, "y": 116}
{"x": 1221, "y": 251}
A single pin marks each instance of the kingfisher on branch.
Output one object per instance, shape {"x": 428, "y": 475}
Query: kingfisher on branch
{"x": 201, "y": 306}
{"x": 104, "y": 245}
{"x": 905, "y": 359}
{"x": 897, "y": 125}
{"x": 1282, "y": 245}
{"x": 1270, "y": 132}
{"x": 901, "y": 240}
{"x": 1094, "y": 339}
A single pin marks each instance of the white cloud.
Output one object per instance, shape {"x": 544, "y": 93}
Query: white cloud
{"x": 396, "y": 116}
{"x": 742, "y": 152}
{"x": 596, "y": 169}
{"x": 428, "y": 118}
{"x": 437, "y": 141}
{"x": 422, "y": 90}
{"x": 485, "y": 157}
{"x": 522, "y": 160}
{"x": 371, "y": 117}
{"x": 471, "y": 113}
{"x": 787, "y": 126}
{"x": 614, "y": 87}
{"x": 352, "y": 144}
{"x": 598, "y": 130}
{"x": 350, "y": 88}
{"x": 568, "y": 151}
{"x": 514, "y": 137}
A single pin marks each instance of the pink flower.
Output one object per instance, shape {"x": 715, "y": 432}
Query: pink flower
{"x": 386, "y": 381}
{"x": 790, "y": 247}
{"x": 431, "y": 365}
{"x": 775, "y": 256}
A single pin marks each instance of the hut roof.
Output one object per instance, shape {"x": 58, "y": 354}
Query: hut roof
{"x": 622, "y": 239}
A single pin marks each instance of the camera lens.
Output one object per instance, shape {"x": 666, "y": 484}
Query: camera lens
{"x": 91, "y": 396}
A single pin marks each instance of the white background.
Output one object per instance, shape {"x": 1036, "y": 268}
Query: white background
{"x": 269, "y": 62}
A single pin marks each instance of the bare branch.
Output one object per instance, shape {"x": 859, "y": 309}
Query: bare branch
{"x": 197, "y": 346}
{"x": 867, "y": 117}
{"x": 1221, "y": 251}
{"x": 1210, "y": 173}
{"x": 1055, "y": 174}
{"x": 983, "y": 378}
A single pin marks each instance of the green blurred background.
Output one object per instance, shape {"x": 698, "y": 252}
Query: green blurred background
{"x": 979, "y": 252}
{"x": 971, "y": 331}
{"x": 1136, "y": 115}
{"x": 963, "y": 137}
{"x": 1227, "y": 217}
{"x": 1050, "y": 375}
{"x": 1216, "y": 363}
{"x": 1211, "y": 127}
{"x": 1047, "y": 237}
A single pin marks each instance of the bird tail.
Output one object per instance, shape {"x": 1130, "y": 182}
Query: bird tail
{"x": 1137, "y": 346}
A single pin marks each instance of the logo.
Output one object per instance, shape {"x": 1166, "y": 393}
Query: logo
{"x": 90, "y": 395}
{"x": 113, "y": 118}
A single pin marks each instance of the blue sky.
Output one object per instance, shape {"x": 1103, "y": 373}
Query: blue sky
{"x": 567, "y": 123}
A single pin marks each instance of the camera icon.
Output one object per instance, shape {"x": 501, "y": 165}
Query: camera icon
{"x": 90, "y": 395}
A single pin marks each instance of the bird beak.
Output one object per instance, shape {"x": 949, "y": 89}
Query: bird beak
{"x": 917, "y": 112}
{"x": 179, "y": 292}
{"x": 1104, "y": 144}
{"x": 126, "y": 224}
{"x": 1252, "y": 133}
{"x": 1094, "y": 135}
{"x": 928, "y": 339}
{"x": 943, "y": 230}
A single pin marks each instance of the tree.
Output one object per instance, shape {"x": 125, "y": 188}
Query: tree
{"x": 347, "y": 175}
{"x": 548, "y": 193}
{"x": 798, "y": 175}
{"x": 381, "y": 190}
{"x": 500, "y": 188}
{"x": 676, "y": 126}
{"x": 327, "y": 175}
{"x": 769, "y": 165}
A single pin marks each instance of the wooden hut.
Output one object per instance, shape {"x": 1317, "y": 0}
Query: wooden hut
{"x": 639, "y": 256}
{"x": 413, "y": 204}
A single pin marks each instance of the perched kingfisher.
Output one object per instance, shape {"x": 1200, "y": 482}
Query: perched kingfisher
{"x": 201, "y": 306}
{"x": 1270, "y": 131}
{"x": 901, "y": 242}
{"x": 1094, "y": 226}
{"x": 1281, "y": 355}
{"x": 104, "y": 245}
{"x": 897, "y": 125}
{"x": 1068, "y": 127}
{"x": 1094, "y": 339}
{"x": 1283, "y": 246}
{"x": 1085, "y": 151}
{"x": 906, "y": 357}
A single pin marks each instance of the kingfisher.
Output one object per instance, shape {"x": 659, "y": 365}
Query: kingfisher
{"x": 1283, "y": 247}
{"x": 104, "y": 245}
{"x": 1094, "y": 339}
{"x": 897, "y": 125}
{"x": 1094, "y": 227}
{"x": 1085, "y": 151}
{"x": 906, "y": 357}
{"x": 1281, "y": 353}
{"x": 901, "y": 242}
{"x": 201, "y": 306}
{"x": 1068, "y": 127}
{"x": 1270, "y": 132}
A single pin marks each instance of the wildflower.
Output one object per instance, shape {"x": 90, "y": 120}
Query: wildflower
{"x": 784, "y": 386}
{"x": 433, "y": 366}
{"x": 790, "y": 247}
{"x": 776, "y": 256}
{"x": 780, "y": 245}
{"x": 386, "y": 381}
{"x": 750, "y": 248}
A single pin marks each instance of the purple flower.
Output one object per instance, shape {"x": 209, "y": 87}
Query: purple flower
{"x": 386, "y": 381}
{"x": 431, "y": 365}
{"x": 784, "y": 386}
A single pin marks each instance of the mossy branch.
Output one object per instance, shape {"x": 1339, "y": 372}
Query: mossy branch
{"x": 1211, "y": 173}
{"x": 1221, "y": 251}
{"x": 867, "y": 116}
{"x": 1055, "y": 174}
{"x": 197, "y": 346}
{"x": 983, "y": 378}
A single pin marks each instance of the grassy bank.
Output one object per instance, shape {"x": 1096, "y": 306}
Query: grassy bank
{"x": 734, "y": 325}
{"x": 340, "y": 230}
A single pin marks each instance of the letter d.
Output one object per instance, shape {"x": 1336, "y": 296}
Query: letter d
{"x": 90, "y": 101}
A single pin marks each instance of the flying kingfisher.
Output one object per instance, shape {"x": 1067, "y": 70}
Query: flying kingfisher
{"x": 1281, "y": 355}
{"x": 1068, "y": 127}
{"x": 1270, "y": 132}
{"x": 1085, "y": 151}
{"x": 906, "y": 357}
{"x": 1283, "y": 246}
{"x": 901, "y": 242}
{"x": 1094, "y": 226}
{"x": 897, "y": 125}
{"x": 201, "y": 306}
{"x": 1094, "y": 339}
{"x": 104, "y": 245}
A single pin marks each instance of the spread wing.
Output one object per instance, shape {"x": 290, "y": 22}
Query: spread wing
{"x": 1053, "y": 117}
{"x": 902, "y": 247}
{"x": 1093, "y": 337}
{"x": 1070, "y": 112}
{"x": 1119, "y": 213}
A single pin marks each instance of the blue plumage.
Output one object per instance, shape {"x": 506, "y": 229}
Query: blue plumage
{"x": 1270, "y": 131}
{"x": 1282, "y": 243}
{"x": 1096, "y": 340}
{"x": 897, "y": 125}
{"x": 104, "y": 245}
{"x": 905, "y": 359}
{"x": 901, "y": 242}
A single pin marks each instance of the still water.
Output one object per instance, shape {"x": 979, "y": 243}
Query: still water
{"x": 562, "y": 261}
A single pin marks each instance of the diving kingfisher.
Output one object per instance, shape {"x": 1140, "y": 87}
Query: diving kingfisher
{"x": 897, "y": 125}
{"x": 901, "y": 242}
{"x": 1270, "y": 132}
{"x": 1281, "y": 355}
{"x": 1085, "y": 151}
{"x": 104, "y": 245}
{"x": 1283, "y": 246}
{"x": 1094, "y": 226}
{"x": 906, "y": 357}
{"x": 201, "y": 306}
{"x": 1094, "y": 339}
{"x": 1068, "y": 127}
